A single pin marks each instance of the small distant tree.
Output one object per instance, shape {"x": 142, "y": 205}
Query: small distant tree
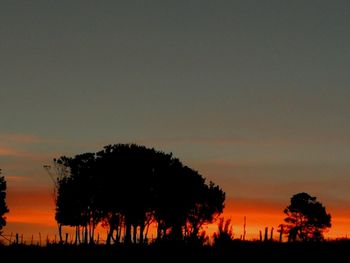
{"x": 3, "y": 207}
{"x": 306, "y": 219}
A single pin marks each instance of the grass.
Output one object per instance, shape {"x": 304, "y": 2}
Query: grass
{"x": 230, "y": 252}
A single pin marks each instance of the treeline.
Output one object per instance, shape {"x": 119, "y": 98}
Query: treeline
{"x": 3, "y": 206}
{"x": 128, "y": 187}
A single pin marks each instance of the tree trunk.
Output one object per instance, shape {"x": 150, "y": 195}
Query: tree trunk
{"x": 195, "y": 231}
{"x": 76, "y": 235}
{"x": 159, "y": 231}
{"x": 177, "y": 232}
{"x": 89, "y": 233}
{"x": 142, "y": 229}
{"x": 127, "y": 238}
{"x": 60, "y": 233}
{"x": 146, "y": 233}
{"x": 109, "y": 236}
{"x": 86, "y": 235}
{"x": 135, "y": 233}
{"x": 118, "y": 233}
{"x": 79, "y": 239}
{"x": 281, "y": 233}
{"x": 92, "y": 233}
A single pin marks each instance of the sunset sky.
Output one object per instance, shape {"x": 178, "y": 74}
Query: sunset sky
{"x": 253, "y": 94}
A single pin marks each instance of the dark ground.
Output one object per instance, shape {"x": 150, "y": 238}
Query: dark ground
{"x": 337, "y": 251}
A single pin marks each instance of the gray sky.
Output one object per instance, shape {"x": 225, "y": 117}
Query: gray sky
{"x": 253, "y": 94}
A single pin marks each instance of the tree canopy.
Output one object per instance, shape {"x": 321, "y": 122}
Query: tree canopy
{"x": 127, "y": 187}
{"x": 3, "y": 206}
{"x": 306, "y": 219}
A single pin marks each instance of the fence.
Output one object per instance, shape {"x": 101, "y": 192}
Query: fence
{"x": 39, "y": 240}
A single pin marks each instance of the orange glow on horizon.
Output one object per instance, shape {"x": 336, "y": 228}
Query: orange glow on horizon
{"x": 261, "y": 214}
{"x": 32, "y": 212}
{"x": 30, "y": 208}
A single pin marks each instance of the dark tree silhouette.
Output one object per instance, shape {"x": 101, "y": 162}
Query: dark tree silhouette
{"x": 224, "y": 236}
{"x": 306, "y": 219}
{"x": 3, "y": 206}
{"x": 76, "y": 203}
{"x": 207, "y": 206}
{"x": 127, "y": 187}
{"x": 124, "y": 195}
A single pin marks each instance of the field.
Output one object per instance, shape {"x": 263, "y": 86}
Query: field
{"x": 232, "y": 252}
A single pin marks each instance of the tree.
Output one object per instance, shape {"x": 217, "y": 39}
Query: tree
{"x": 3, "y": 207}
{"x": 209, "y": 203}
{"x": 124, "y": 181}
{"x": 58, "y": 176}
{"x": 127, "y": 187}
{"x": 76, "y": 202}
{"x": 306, "y": 219}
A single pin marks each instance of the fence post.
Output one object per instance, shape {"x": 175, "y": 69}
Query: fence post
{"x": 281, "y": 232}
{"x": 244, "y": 225}
{"x": 271, "y": 234}
{"x": 266, "y": 234}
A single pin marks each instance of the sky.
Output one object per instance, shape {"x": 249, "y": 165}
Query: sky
{"x": 252, "y": 94}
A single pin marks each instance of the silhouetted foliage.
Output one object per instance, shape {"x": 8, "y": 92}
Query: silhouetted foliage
{"x": 76, "y": 203}
{"x": 224, "y": 236}
{"x": 3, "y": 206}
{"x": 127, "y": 187}
{"x": 306, "y": 219}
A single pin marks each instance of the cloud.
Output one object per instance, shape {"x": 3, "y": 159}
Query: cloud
{"x": 14, "y": 145}
{"x": 35, "y": 197}
{"x": 9, "y": 151}
{"x": 34, "y": 206}
{"x": 17, "y": 152}
{"x": 20, "y": 138}
{"x": 249, "y": 140}
{"x": 210, "y": 141}
{"x": 32, "y": 217}
{"x": 26, "y": 146}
